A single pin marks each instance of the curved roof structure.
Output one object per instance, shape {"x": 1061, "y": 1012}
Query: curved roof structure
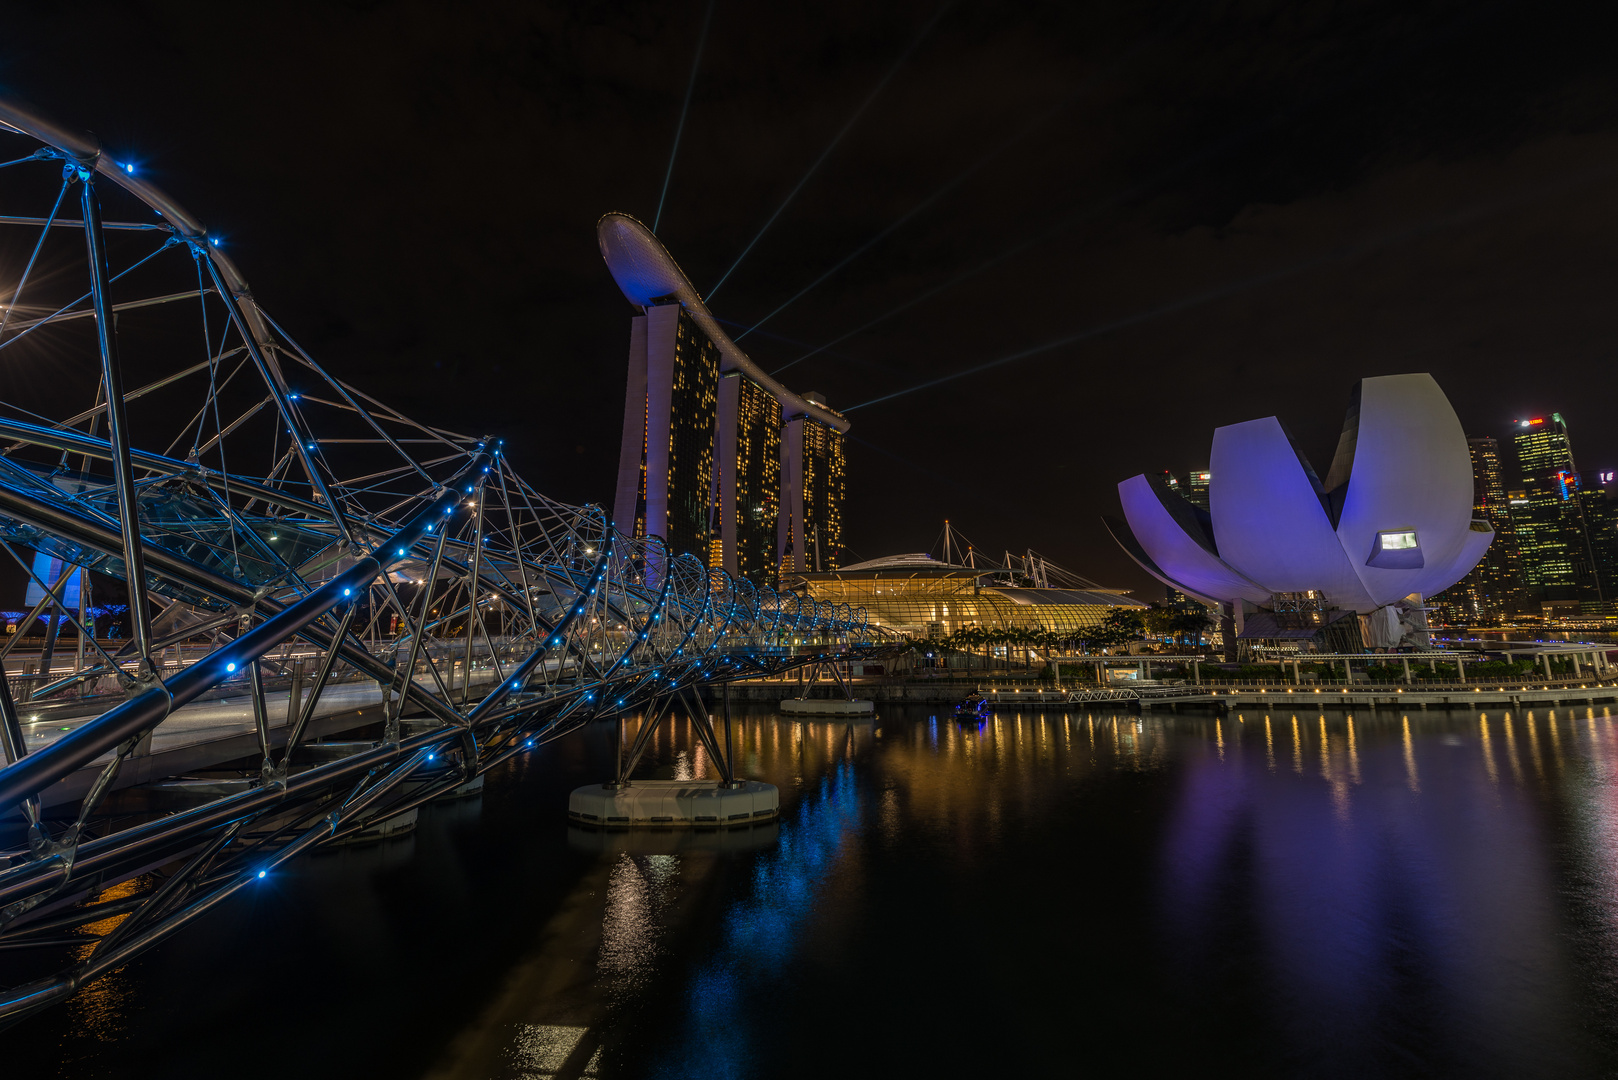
{"x": 648, "y": 274}
{"x": 1395, "y": 521}
{"x": 900, "y": 563}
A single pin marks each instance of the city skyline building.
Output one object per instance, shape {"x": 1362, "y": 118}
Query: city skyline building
{"x": 1493, "y": 590}
{"x": 666, "y": 463}
{"x": 1554, "y": 529}
{"x": 747, "y": 499}
{"x": 716, "y": 457}
{"x": 1196, "y": 488}
{"x": 814, "y": 481}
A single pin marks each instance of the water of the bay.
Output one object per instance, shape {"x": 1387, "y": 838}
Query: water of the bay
{"x": 1305, "y": 894}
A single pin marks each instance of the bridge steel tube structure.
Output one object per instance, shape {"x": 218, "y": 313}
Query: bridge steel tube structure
{"x": 157, "y": 427}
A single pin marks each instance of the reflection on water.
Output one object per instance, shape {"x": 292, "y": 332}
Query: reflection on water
{"x": 1292, "y": 894}
{"x": 762, "y": 931}
{"x": 638, "y": 891}
{"x": 542, "y": 1050}
{"x": 1317, "y": 894}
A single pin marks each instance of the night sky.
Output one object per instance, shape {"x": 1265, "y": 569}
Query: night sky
{"x": 1222, "y": 211}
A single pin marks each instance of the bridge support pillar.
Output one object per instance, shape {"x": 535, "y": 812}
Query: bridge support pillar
{"x": 295, "y": 694}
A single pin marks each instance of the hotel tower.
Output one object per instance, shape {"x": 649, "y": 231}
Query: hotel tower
{"x": 717, "y": 458}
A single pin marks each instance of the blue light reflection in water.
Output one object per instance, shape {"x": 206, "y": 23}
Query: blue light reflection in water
{"x": 762, "y": 931}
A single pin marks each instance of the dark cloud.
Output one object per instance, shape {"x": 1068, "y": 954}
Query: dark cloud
{"x": 1265, "y": 201}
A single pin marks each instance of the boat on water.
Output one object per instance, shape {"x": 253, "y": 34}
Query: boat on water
{"x": 975, "y": 707}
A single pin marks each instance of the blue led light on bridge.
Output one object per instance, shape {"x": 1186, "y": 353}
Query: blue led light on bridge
{"x": 261, "y": 873}
{"x": 129, "y": 167}
{"x": 230, "y": 666}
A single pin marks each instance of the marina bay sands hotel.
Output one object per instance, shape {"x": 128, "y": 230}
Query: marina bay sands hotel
{"x": 718, "y": 458}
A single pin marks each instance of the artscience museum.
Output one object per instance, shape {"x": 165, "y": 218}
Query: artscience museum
{"x": 1347, "y": 562}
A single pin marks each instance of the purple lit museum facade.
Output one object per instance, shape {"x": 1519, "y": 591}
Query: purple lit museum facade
{"x": 1286, "y": 555}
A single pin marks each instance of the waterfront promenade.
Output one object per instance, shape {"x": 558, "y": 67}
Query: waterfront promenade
{"x": 1011, "y": 692}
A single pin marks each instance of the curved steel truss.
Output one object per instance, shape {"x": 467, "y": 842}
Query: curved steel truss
{"x": 292, "y": 549}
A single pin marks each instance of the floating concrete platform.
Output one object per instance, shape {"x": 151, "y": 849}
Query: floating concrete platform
{"x": 827, "y": 707}
{"x": 674, "y": 803}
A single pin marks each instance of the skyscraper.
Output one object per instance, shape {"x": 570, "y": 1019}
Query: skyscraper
{"x": 813, "y": 472}
{"x": 1492, "y": 590}
{"x": 665, "y": 465}
{"x": 717, "y": 458}
{"x": 750, "y": 444}
{"x": 1197, "y": 487}
{"x": 1600, "y": 515}
{"x": 1558, "y": 557}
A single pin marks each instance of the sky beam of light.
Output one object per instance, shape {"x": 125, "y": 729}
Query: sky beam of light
{"x": 885, "y": 452}
{"x": 824, "y": 154}
{"x": 1336, "y": 255}
{"x": 1214, "y": 150}
{"x": 950, "y": 185}
{"x": 959, "y": 179}
{"x": 795, "y": 343}
{"x": 696, "y": 61}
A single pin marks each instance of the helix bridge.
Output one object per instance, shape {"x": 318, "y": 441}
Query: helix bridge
{"x": 299, "y": 560}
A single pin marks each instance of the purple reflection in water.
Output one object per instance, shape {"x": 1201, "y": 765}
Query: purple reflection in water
{"x": 1391, "y": 900}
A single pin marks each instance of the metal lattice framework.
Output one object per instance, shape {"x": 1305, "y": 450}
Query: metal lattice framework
{"x": 307, "y": 542}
